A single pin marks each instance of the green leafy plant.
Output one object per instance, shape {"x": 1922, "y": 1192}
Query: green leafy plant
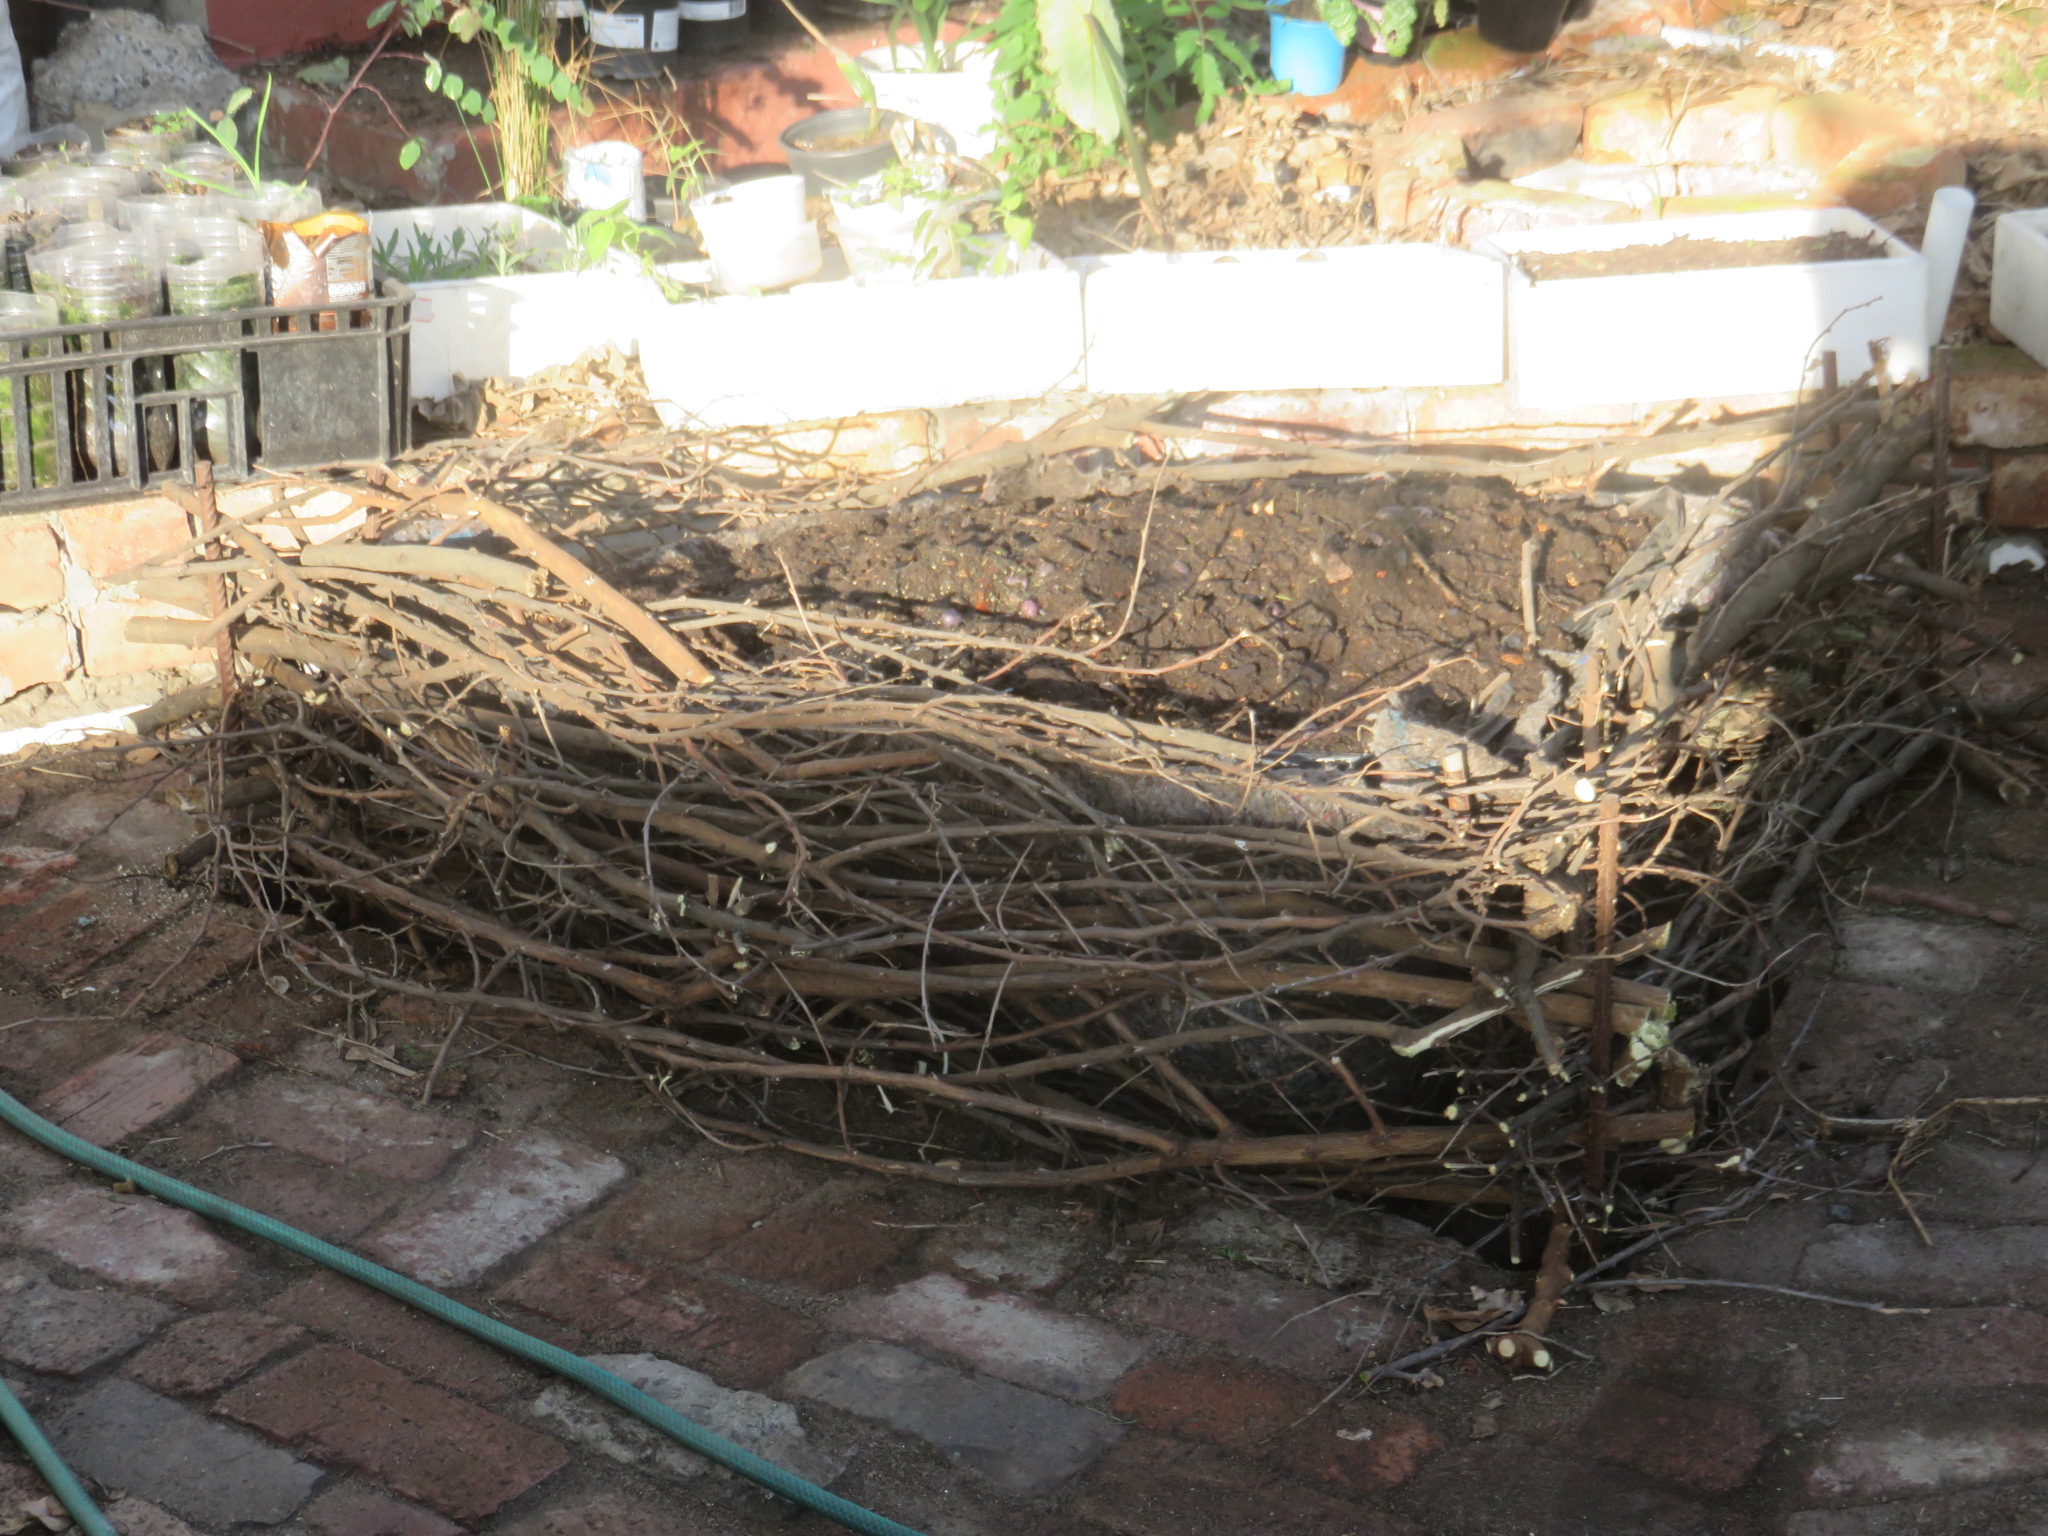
{"x": 422, "y": 257}
{"x": 468, "y": 20}
{"x": 926, "y": 19}
{"x": 1341, "y": 17}
{"x": 227, "y": 133}
{"x": 2024, "y": 78}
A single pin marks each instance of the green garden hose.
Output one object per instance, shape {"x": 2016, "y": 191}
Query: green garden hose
{"x": 612, "y": 1389}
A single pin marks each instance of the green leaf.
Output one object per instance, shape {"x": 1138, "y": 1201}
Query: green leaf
{"x": 1084, "y": 59}
{"x": 239, "y": 100}
{"x": 465, "y": 24}
{"x": 430, "y": 75}
{"x": 451, "y": 86}
{"x": 227, "y": 132}
{"x": 409, "y": 155}
{"x": 382, "y": 14}
{"x": 489, "y": 114}
{"x": 333, "y": 72}
{"x": 561, "y": 88}
{"x": 1208, "y": 77}
{"x": 540, "y": 70}
{"x": 1341, "y": 17}
{"x": 472, "y": 101}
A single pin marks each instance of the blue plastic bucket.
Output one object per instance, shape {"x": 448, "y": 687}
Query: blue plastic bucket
{"x": 1307, "y": 57}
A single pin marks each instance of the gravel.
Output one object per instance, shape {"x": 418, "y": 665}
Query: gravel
{"x": 115, "y": 62}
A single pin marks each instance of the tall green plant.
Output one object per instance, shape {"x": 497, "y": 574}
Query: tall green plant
{"x": 468, "y": 20}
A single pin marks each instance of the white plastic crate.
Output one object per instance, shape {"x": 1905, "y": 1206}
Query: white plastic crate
{"x": 1664, "y": 336}
{"x": 1344, "y": 317}
{"x": 2019, "y": 280}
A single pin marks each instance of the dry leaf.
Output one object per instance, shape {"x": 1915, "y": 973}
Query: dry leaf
{"x": 1612, "y": 1301}
{"x": 1484, "y": 1427}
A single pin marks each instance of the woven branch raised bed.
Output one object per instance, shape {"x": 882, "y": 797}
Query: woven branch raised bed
{"x": 858, "y": 904}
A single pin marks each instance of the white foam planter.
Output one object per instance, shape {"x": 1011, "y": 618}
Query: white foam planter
{"x": 1344, "y": 317}
{"x": 826, "y": 350}
{"x": 509, "y": 327}
{"x": 2019, "y": 280}
{"x": 1662, "y": 336}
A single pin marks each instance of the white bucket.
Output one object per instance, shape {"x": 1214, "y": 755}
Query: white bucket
{"x": 605, "y": 175}
{"x": 757, "y": 235}
{"x": 883, "y": 242}
{"x": 633, "y": 30}
{"x": 962, "y": 101}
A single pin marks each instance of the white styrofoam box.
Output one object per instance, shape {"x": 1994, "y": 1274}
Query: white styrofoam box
{"x": 1344, "y": 317}
{"x": 509, "y": 327}
{"x": 1693, "y": 335}
{"x": 2019, "y": 280}
{"x": 827, "y": 350}
{"x": 396, "y": 233}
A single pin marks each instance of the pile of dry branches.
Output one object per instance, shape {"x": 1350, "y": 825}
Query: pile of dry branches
{"x": 844, "y": 895}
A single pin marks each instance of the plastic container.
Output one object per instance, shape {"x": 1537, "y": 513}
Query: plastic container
{"x": 72, "y": 194}
{"x": 606, "y": 175}
{"x": 1307, "y": 58}
{"x": 104, "y": 280}
{"x": 1948, "y": 231}
{"x": 320, "y": 396}
{"x": 212, "y": 265}
{"x": 28, "y": 433}
{"x": 711, "y": 26}
{"x": 159, "y": 212}
{"x": 204, "y": 168}
{"x": 758, "y": 235}
{"x": 840, "y": 147}
{"x": 66, "y": 144}
{"x": 274, "y": 202}
{"x": 2019, "y": 280}
{"x": 961, "y": 100}
{"x": 631, "y": 39}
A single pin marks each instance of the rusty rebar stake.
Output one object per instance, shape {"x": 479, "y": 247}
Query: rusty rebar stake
{"x": 1937, "y": 512}
{"x": 216, "y": 584}
{"x": 1606, "y": 895}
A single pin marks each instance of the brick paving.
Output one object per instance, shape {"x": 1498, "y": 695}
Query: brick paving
{"x": 1156, "y": 1362}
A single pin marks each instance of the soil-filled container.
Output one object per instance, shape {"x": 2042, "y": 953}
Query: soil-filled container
{"x": 840, "y": 147}
{"x": 28, "y": 432}
{"x": 66, "y": 144}
{"x": 204, "y": 168}
{"x": 212, "y": 266}
{"x": 274, "y": 202}
{"x": 160, "y": 133}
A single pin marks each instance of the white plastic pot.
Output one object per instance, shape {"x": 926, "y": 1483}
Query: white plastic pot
{"x": 605, "y": 175}
{"x": 961, "y": 100}
{"x": 1659, "y": 336}
{"x": 1344, "y": 317}
{"x": 2019, "y": 280}
{"x": 886, "y": 242}
{"x": 757, "y": 234}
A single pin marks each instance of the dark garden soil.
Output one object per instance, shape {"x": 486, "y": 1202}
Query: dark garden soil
{"x": 1256, "y": 607}
{"x": 1688, "y": 255}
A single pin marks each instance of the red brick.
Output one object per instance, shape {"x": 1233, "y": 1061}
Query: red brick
{"x": 607, "y": 1515}
{"x": 1967, "y": 1349}
{"x": 1735, "y": 130}
{"x": 1154, "y": 1487}
{"x": 376, "y": 1325}
{"x": 2017, "y": 496}
{"x": 49, "y": 1050}
{"x": 130, "y": 1240}
{"x": 1367, "y": 92}
{"x": 363, "y": 1132}
{"x": 203, "y": 1354}
{"x": 1364, "y": 1450}
{"x": 111, "y": 538}
{"x": 30, "y": 575}
{"x": 34, "y": 651}
{"x": 1818, "y": 132}
{"x": 1634, "y": 128}
{"x": 1231, "y": 1403}
{"x": 1475, "y": 210}
{"x": 343, "y": 1408}
{"x": 1883, "y": 179}
{"x": 1998, "y": 398}
{"x": 1296, "y": 1328}
{"x": 334, "y": 1206}
{"x": 1461, "y": 58}
{"x": 1706, "y": 1444}
{"x": 824, "y": 1247}
{"x": 736, "y": 1338}
{"x": 108, "y": 650}
{"x": 690, "y": 1212}
{"x": 353, "y": 1511}
{"x": 120, "y": 1094}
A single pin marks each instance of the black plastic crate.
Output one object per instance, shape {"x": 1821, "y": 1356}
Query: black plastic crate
{"x": 89, "y": 410}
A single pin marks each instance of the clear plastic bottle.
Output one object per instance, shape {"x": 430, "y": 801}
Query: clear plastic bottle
{"x": 276, "y": 202}
{"x": 73, "y": 194}
{"x": 204, "y": 168}
{"x": 20, "y": 314}
{"x": 212, "y": 265}
{"x": 157, "y": 213}
{"x": 102, "y": 280}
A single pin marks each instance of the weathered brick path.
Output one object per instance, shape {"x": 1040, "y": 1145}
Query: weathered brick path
{"x": 1149, "y": 1363}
